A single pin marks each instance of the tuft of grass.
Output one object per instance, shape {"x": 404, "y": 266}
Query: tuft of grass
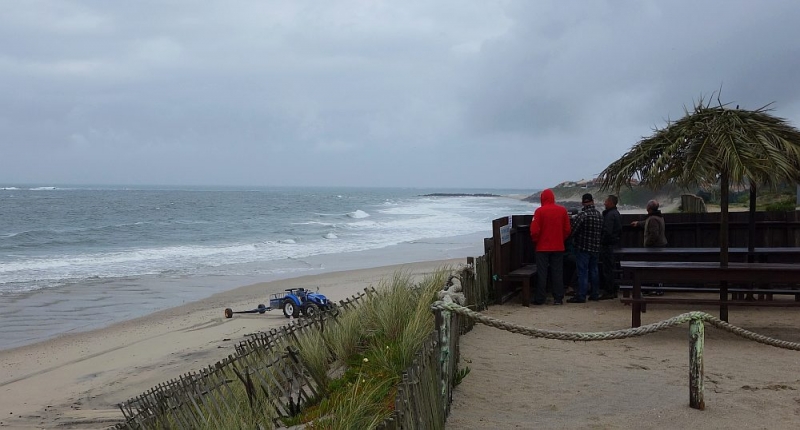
{"x": 236, "y": 413}
{"x": 315, "y": 355}
{"x": 376, "y": 342}
{"x": 402, "y": 319}
{"x": 363, "y": 405}
{"x": 345, "y": 337}
{"x": 460, "y": 375}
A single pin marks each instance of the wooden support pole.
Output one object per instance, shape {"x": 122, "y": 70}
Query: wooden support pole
{"x": 443, "y": 322}
{"x": 696, "y": 341}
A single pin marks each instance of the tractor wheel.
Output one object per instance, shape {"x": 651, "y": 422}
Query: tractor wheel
{"x": 310, "y": 310}
{"x": 228, "y": 313}
{"x": 261, "y": 308}
{"x": 332, "y": 308}
{"x": 290, "y": 309}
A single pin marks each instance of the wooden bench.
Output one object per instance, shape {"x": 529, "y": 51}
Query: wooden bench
{"x": 524, "y": 274}
{"x": 739, "y": 296}
{"x": 737, "y": 255}
{"x": 698, "y": 277}
{"x": 764, "y": 293}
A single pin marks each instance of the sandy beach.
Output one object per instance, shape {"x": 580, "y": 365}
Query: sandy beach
{"x": 76, "y": 381}
{"x": 520, "y": 382}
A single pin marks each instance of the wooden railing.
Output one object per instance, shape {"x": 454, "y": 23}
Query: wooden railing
{"x": 512, "y": 248}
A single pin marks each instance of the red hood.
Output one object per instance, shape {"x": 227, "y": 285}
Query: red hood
{"x": 547, "y": 197}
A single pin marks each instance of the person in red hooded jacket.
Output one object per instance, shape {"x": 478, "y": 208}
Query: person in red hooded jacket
{"x": 549, "y": 229}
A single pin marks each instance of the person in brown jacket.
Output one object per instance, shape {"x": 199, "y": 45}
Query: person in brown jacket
{"x": 654, "y": 235}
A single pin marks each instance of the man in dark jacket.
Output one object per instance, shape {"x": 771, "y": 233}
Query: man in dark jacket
{"x": 612, "y": 231}
{"x": 587, "y": 230}
{"x": 549, "y": 229}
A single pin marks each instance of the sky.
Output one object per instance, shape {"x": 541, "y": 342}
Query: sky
{"x": 413, "y": 93}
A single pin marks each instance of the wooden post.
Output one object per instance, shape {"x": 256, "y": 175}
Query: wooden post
{"x": 723, "y": 301}
{"x": 443, "y": 321}
{"x": 723, "y": 218}
{"x": 696, "y": 341}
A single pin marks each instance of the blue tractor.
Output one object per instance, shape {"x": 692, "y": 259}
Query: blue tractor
{"x": 297, "y": 300}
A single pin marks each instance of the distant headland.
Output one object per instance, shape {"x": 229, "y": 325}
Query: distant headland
{"x": 460, "y": 195}
{"x": 568, "y": 194}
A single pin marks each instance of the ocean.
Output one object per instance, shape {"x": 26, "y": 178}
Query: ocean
{"x": 78, "y": 258}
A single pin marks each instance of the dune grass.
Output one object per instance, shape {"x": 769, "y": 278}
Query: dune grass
{"x": 375, "y": 343}
{"x": 235, "y": 414}
{"x": 358, "y": 358}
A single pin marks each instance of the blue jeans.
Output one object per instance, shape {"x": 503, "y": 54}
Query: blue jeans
{"x": 587, "y": 272}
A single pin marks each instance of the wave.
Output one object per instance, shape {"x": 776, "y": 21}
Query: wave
{"x": 358, "y": 214}
{"x": 236, "y": 243}
{"x": 70, "y": 236}
{"x": 39, "y": 238}
{"x": 28, "y": 189}
{"x": 323, "y": 224}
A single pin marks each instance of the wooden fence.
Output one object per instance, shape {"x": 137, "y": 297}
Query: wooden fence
{"x": 267, "y": 368}
{"x": 512, "y": 248}
{"x": 426, "y": 391}
{"x": 477, "y": 289}
{"x": 701, "y": 230}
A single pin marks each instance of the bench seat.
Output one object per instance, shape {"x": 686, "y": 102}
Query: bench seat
{"x": 626, "y": 289}
{"x": 524, "y": 274}
{"x": 693, "y": 301}
{"x": 737, "y": 296}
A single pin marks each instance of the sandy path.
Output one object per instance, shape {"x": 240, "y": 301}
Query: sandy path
{"x": 640, "y": 383}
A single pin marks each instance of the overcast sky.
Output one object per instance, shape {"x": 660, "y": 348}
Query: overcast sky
{"x": 489, "y": 94}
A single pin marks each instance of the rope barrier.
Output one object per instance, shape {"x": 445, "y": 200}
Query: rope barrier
{"x": 616, "y": 334}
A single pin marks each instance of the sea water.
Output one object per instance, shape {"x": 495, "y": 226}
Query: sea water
{"x": 77, "y": 258}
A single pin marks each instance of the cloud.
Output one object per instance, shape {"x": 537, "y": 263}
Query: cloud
{"x": 511, "y": 94}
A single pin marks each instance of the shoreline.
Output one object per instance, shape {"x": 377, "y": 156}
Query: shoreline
{"x": 38, "y": 316}
{"x": 77, "y": 380}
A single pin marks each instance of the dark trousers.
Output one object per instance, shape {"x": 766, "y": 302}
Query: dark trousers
{"x": 552, "y": 264}
{"x": 570, "y": 271}
{"x": 608, "y": 263}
